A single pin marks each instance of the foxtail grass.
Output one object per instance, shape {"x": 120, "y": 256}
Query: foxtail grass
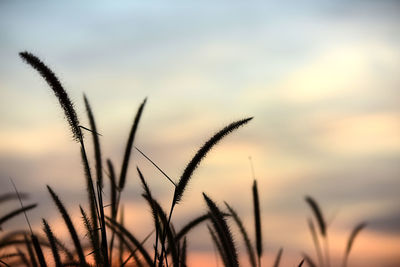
{"x": 58, "y": 90}
{"x": 201, "y": 154}
{"x": 223, "y": 232}
{"x": 245, "y": 236}
{"x": 52, "y": 242}
{"x": 257, "y": 221}
{"x": 70, "y": 226}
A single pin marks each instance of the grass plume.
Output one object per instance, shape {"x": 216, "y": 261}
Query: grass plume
{"x": 69, "y": 225}
{"x": 96, "y": 142}
{"x": 257, "y": 221}
{"x": 223, "y": 233}
{"x": 52, "y": 242}
{"x": 201, "y": 154}
{"x": 246, "y": 239}
{"x": 58, "y": 90}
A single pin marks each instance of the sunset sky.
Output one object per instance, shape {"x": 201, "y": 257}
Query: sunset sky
{"x": 321, "y": 79}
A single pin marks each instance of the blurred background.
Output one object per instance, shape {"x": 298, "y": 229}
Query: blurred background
{"x": 321, "y": 79}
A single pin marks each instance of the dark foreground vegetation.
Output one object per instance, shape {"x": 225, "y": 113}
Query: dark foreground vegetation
{"x": 110, "y": 242}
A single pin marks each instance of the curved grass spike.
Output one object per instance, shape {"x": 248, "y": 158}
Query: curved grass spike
{"x": 15, "y": 213}
{"x": 69, "y": 225}
{"x": 246, "y": 239}
{"x": 128, "y": 148}
{"x": 257, "y": 221}
{"x": 278, "y": 258}
{"x": 94, "y": 210}
{"x": 59, "y": 91}
{"x": 201, "y": 153}
{"x": 153, "y": 210}
{"x": 52, "y": 242}
{"x": 90, "y": 232}
{"x": 113, "y": 188}
{"x": 317, "y": 213}
{"x": 223, "y": 232}
{"x": 32, "y": 257}
{"x": 350, "y": 242}
{"x": 124, "y": 232}
{"x": 96, "y": 142}
{"x": 316, "y": 242}
{"x": 218, "y": 245}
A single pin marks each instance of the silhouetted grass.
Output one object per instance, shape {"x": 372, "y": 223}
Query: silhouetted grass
{"x": 170, "y": 246}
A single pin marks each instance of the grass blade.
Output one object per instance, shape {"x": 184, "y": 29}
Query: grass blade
{"x": 96, "y": 142}
{"x": 10, "y": 196}
{"x": 16, "y": 212}
{"x": 128, "y": 148}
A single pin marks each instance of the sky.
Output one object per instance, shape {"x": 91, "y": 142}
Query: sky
{"x": 320, "y": 78}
